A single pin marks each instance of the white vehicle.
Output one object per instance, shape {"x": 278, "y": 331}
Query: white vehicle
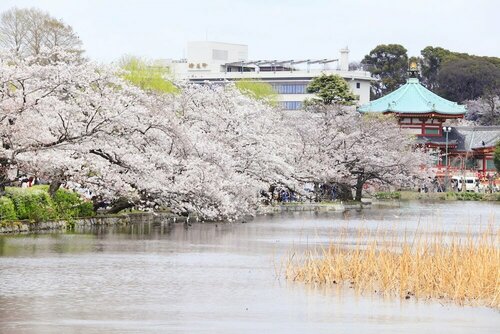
{"x": 471, "y": 183}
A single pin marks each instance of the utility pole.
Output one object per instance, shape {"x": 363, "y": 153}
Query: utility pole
{"x": 447, "y": 130}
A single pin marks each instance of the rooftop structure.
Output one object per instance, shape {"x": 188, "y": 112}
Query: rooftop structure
{"x": 413, "y": 99}
{"x": 220, "y": 62}
{"x": 418, "y": 110}
{"x": 475, "y": 137}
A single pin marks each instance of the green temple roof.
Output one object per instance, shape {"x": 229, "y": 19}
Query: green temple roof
{"x": 413, "y": 98}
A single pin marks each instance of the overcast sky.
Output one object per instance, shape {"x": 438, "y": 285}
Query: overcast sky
{"x": 276, "y": 29}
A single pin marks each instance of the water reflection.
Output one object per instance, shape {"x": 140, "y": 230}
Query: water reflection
{"x": 221, "y": 278}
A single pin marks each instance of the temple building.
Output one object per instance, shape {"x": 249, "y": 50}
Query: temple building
{"x": 424, "y": 114}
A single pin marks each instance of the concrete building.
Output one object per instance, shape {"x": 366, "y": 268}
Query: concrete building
{"x": 219, "y": 62}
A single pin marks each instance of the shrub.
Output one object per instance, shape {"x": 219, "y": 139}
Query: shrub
{"x": 450, "y": 196}
{"x": 34, "y": 205}
{"x": 66, "y": 203}
{"x": 85, "y": 209}
{"x": 469, "y": 196}
{"x": 388, "y": 195}
{"x": 7, "y": 209}
{"x": 69, "y": 204}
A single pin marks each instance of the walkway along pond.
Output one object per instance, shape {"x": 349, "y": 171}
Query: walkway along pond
{"x": 222, "y": 278}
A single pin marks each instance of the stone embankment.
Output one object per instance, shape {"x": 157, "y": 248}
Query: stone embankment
{"x": 159, "y": 217}
{"x": 62, "y": 225}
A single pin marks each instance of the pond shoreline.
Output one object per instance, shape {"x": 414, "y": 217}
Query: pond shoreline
{"x": 24, "y": 226}
{"x": 111, "y": 220}
{"x": 15, "y": 227}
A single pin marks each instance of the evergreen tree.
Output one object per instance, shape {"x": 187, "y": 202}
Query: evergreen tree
{"x": 331, "y": 89}
{"x": 389, "y": 64}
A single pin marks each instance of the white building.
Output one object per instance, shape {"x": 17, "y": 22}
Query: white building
{"x": 215, "y": 61}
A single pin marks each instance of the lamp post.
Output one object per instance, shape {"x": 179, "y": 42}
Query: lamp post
{"x": 447, "y": 130}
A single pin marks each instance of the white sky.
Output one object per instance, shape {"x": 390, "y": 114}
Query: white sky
{"x": 276, "y": 29}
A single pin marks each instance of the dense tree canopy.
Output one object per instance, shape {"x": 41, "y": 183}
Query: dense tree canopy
{"x": 463, "y": 80}
{"x": 433, "y": 58}
{"x": 331, "y": 89}
{"x": 431, "y": 61}
{"x": 389, "y": 64}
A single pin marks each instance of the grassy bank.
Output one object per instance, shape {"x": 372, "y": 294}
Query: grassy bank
{"x": 448, "y": 196}
{"x": 437, "y": 266}
{"x": 35, "y": 204}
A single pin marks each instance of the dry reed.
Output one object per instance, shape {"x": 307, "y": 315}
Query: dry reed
{"x": 462, "y": 269}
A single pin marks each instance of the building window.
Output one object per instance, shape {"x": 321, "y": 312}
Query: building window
{"x": 358, "y": 85}
{"x": 291, "y": 105}
{"x": 290, "y": 88}
{"x": 490, "y": 165}
{"x": 431, "y": 131}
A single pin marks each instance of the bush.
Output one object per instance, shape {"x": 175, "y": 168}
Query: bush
{"x": 388, "y": 195}
{"x": 86, "y": 209}
{"x": 69, "y": 204}
{"x": 7, "y": 209}
{"x": 469, "y": 196}
{"x": 66, "y": 203}
{"x": 36, "y": 204}
{"x": 464, "y": 196}
{"x": 33, "y": 205}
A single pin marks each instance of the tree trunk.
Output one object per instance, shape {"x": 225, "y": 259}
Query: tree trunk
{"x": 120, "y": 204}
{"x": 54, "y": 186}
{"x": 316, "y": 192}
{"x": 4, "y": 177}
{"x": 359, "y": 187}
{"x": 3, "y": 181}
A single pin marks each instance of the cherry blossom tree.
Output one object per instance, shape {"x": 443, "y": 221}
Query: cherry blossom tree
{"x": 484, "y": 110}
{"x": 205, "y": 150}
{"x": 340, "y": 146}
{"x": 240, "y": 139}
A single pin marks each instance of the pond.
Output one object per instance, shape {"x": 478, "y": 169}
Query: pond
{"x": 220, "y": 278}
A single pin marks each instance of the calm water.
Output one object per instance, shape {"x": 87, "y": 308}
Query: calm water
{"x": 218, "y": 278}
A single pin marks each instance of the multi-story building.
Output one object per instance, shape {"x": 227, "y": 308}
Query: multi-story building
{"x": 219, "y": 62}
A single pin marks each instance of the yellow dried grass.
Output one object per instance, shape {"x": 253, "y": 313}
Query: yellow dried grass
{"x": 447, "y": 266}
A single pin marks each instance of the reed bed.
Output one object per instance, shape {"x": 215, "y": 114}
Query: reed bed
{"x": 462, "y": 268}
